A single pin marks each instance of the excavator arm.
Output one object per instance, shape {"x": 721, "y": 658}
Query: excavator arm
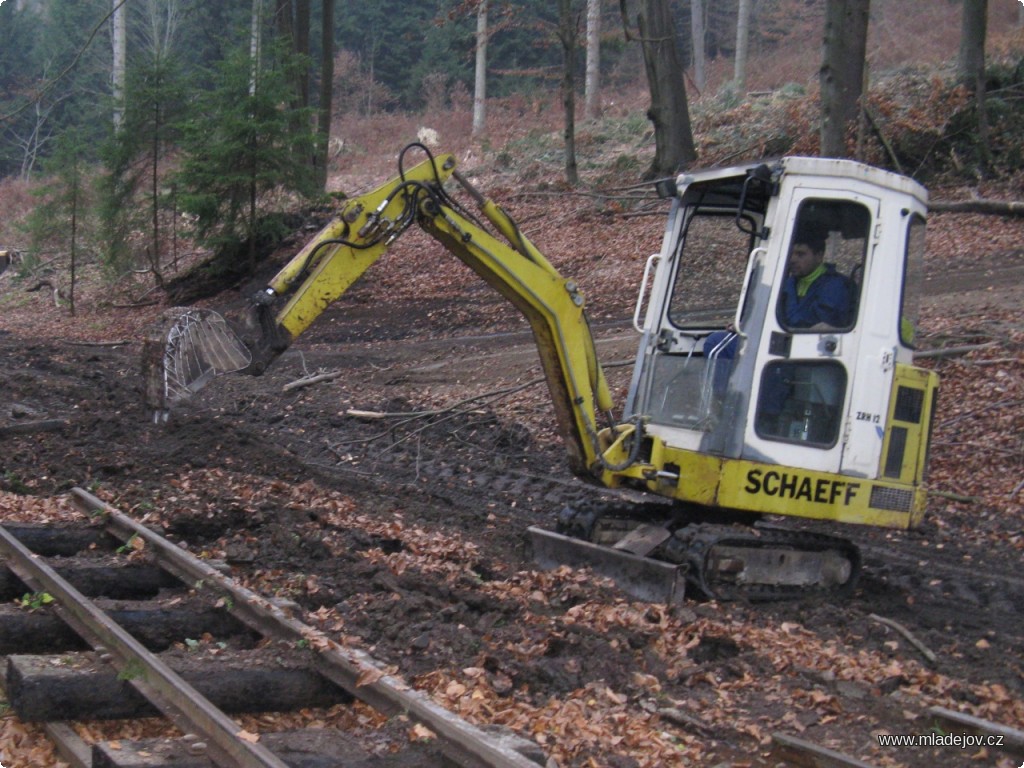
{"x": 193, "y": 346}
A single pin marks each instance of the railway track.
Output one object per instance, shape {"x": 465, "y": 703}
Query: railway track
{"x": 115, "y": 597}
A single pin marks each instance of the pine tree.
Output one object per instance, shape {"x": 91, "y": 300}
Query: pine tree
{"x": 134, "y": 156}
{"x": 61, "y": 222}
{"x": 238, "y": 146}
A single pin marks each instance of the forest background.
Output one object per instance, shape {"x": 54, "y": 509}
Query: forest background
{"x": 130, "y": 127}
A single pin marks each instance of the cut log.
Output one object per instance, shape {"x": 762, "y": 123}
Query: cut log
{"x": 62, "y": 542}
{"x": 319, "y": 748}
{"x": 156, "y": 627}
{"x": 131, "y": 581}
{"x": 79, "y": 686}
{"x": 31, "y": 427}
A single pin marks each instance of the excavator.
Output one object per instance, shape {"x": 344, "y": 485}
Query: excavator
{"x": 745, "y": 423}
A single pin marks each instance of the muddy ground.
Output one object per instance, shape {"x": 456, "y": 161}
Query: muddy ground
{"x": 403, "y": 531}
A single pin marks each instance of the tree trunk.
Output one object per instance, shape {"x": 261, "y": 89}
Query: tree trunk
{"x": 293, "y": 22}
{"x": 971, "y": 60}
{"x": 154, "y": 172}
{"x": 480, "y": 82}
{"x": 567, "y": 35}
{"x": 326, "y": 91}
{"x": 842, "y": 71}
{"x": 669, "y": 111}
{"x": 74, "y": 240}
{"x": 742, "y": 41}
{"x": 284, "y": 18}
{"x": 592, "y": 86}
{"x": 255, "y": 44}
{"x": 120, "y": 40}
{"x": 697, "y": 42}
{"x": 302, "y": 26}
{"x": 971, "y": 71}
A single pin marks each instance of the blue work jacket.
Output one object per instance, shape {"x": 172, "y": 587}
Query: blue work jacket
{"x": 829, "y": 299}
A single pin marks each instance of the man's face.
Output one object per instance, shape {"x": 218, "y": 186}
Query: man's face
{"x": 803, "y": 260}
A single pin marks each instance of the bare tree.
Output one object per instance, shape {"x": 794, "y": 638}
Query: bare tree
{"x": 255, "y": 44}
{"x": 742, "y": 43}
{"x": 971, "y": 69}
{"x": 303, "y": 22}
{"x": 842, "y": 71}
{"x": 480, "y": 82}
{"x": 567, "y": 36}
{"x": 697, "y": 43}
{"x": 39, "y": 133}
{"x": 120, "y": 43}
{"x": 592, "y": 84}
{"x": 161, "y": 22}
{"x": 326, "y": 90}
{"x": 669, "y": 111}
{"x": 973, "y": 29}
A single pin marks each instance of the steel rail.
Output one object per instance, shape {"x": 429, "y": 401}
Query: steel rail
{"x": 352, "y": 669}
{"x": 175, "y": 698}
{"x": 796, "y": 751}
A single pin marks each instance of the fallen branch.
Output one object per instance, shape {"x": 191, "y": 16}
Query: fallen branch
{"x": 954, "y": 497}
{"x": 30, "y": 427}
{"x": 73, "y": 343}
{"x": 381, "y": 415}
{"x": 307, "y": 381}
{"x": 881, "y": 137}
{"x": 921, "y": 647}
{"x": 954, "y": 351}
{"x": 979, "y": 205}
{"x": 979, "y": 446}
{"x": 137, "y": 304}
{"x": 685, "y": 720}
{"x": 996, "y": 361}
{"x": 453, "y": 411}
{"x": 979, "y": 411}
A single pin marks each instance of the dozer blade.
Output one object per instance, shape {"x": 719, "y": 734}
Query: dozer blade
{"x": 719, "y": 561}
{"x": 183, "y": 353}
{"x": 643, "y": 578}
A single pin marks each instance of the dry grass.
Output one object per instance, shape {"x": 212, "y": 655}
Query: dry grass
{"x": 16, "y": 200}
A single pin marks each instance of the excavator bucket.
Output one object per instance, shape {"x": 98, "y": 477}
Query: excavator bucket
{"x": 183, "y": 353}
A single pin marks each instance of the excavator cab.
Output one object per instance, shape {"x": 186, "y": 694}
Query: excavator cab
{"x": 774, "y": 376}
{"x": 800, "y": 387}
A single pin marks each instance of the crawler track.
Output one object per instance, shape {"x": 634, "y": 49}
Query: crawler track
{"x": 47, "y": 565}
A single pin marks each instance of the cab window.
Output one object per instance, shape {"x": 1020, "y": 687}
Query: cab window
{"x": 709, "y": 280}
{"x": 913, "y": 282}
{"x": 824, "y": 267}
{"x": 801, "y": 402}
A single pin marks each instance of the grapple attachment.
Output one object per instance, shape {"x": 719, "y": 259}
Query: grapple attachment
{"x": 183, "y": 353}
